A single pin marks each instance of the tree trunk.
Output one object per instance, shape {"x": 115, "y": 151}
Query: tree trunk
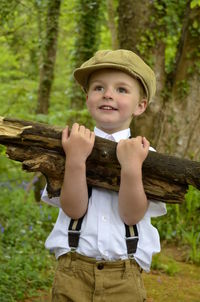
{"x": 133, "y": 19}
{"x": 138, "y": 32}
{"x": 86, "y": 43}
{"x": 112, "y": 24}
{"x": 180, "y": 133}
{"x": 38, "y": 147}
{"x": 49, "y": 57}
{"x": 172, "y": 120}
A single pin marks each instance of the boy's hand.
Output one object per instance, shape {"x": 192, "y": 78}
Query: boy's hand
{"x": 79, "y": 144}
{"x": 132, "y": 152}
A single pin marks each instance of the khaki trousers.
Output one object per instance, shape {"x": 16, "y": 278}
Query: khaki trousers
{"x": 83, "y": 279}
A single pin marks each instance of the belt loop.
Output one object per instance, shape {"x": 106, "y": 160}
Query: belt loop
{"x": 134, "y": 262}
{"x": 125, "y": 269}
{"x": 73, "y": 261}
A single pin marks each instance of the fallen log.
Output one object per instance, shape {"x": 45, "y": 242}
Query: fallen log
{"x": 38, "y": 147}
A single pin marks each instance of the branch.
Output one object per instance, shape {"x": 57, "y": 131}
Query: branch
{"x": 38, "y": 147}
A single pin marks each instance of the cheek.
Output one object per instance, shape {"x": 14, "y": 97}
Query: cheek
{"x": 90, "y": 105}
{"x": 127, "y": 108}
{"x": 88, "y": 102}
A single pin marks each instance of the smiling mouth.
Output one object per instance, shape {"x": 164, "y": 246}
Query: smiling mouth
{"x": 106, "y": 107}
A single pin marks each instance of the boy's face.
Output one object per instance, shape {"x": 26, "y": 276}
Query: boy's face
{"x": 113, "y": 99}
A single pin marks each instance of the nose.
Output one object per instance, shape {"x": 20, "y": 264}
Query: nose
{"x": 108, "y": 94}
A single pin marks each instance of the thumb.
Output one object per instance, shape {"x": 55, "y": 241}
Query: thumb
{"x": 145, "y": 142}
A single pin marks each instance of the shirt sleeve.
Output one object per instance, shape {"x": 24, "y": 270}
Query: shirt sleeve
{"x": 156, "y": 208}
{"x": 54, "y": 201}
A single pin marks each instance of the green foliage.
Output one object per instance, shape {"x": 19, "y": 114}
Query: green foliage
{"x": 195, "y": 3}
{"x": 181, "y": 224}
{"x": 166, "y": 26}
{"x": 182, "y": 88}
{"x": 24, "y": 225}
{"x": 87, "y": 28}
{"x": 170, "y": 268}
{"x": 87, "y": 22}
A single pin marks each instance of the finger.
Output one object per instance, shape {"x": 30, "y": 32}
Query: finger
{"x": 136, "y": 139}
{"x": 139, "y": 138}
{"x": 65, "y": 134}
{"x": 120, "y": 143}
{"x": 87, "y": 132}
{"x": 145, "y": 142}
{"x": 92, "y": 137}
{"x": 75, "y": 128}
{"x": 82, "y": 129}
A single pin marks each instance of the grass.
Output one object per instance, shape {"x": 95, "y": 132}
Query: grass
{"x": 181, "y": 225}
{"x": 180, "y": 282}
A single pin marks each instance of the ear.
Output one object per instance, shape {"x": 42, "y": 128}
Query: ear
{"x": 141, "y": 107}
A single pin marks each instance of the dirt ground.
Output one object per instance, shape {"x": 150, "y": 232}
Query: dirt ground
{"x": 175, "y": 280}
{"x": 182, "y": 286}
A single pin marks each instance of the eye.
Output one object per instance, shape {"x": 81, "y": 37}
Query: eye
{"x": 122, "y": 90}
{"x": 98, "y": 88}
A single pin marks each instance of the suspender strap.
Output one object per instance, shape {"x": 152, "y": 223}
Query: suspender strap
{"x": 74, "y": 232}
{"x": 131, "y": 239}
{"x": 74, "y": 229}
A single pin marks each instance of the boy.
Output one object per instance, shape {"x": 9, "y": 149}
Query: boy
{"x": 102, "y": 259}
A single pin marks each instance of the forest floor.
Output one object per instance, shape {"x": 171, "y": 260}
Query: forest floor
{"x": 178, "y": 281}
{"x": 171, "y": 279}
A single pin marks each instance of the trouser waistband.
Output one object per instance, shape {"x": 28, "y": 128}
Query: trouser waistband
{"x": 73, "y": 256}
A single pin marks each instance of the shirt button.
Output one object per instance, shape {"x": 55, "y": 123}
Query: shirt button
{"x": 104, "y": 218}
{"x": 100, "y": 266}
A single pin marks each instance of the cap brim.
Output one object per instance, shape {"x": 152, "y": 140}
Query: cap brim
{"x": 82, "y": 74}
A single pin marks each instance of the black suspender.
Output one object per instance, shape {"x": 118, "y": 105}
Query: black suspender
{"x": 74, "y": 231}
{"x": 131, "y": 239}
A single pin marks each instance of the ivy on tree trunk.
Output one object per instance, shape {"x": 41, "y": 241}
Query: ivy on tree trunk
{"x": 86, "y": 42}
{"x": 172, "y": 121}
{"x": 49, "y": 56}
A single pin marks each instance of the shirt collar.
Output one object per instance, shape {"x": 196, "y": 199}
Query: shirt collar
{"x": 117, "y": 136}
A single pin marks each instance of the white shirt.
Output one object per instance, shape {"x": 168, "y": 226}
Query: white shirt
{"x": 103, "y": 231}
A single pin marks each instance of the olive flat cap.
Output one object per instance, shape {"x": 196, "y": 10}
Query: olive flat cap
{"x": 121, "y": 59}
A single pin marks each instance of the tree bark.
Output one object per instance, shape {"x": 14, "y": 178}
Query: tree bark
{"x": 49, "y": 57}
{"x": 180, "y": 134}
{"x": 38, "y": 147}
{"x": 86, "y": 43}
{"x": 172, "y": 120}
{"x": 112, "y": 24}
{"x": 138, "y": 32}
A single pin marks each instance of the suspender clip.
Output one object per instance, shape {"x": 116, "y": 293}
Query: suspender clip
{"x": 73, "y": 239}
{"x": 131, "y": 244}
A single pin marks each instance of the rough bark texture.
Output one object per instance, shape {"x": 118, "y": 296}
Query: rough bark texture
{"x": 180, "y": 134}
{"x": 172, "y": 120}
{"x": 86, "y": 43}
{"x": 38, "y": 147}
{"x": 111, "y": 23}
{"x": 132, "y": 12}
{"x": 137, "y": 21}
{"x": 49, "y": 57}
